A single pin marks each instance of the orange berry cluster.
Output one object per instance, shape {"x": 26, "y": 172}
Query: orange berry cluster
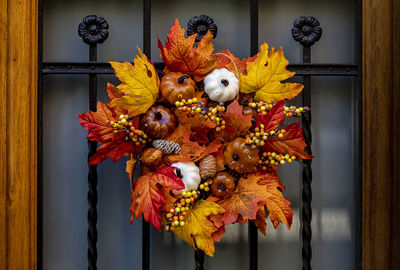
{"x": 272, "y": 160}
{"x": 259, "y": 136}
{"x": 262, "y": 107}
{"x": 124, "y": 124}
{"x": 213, "y": 114}
{"x": 294, "y": 111}
{"x": 176, "y": 216}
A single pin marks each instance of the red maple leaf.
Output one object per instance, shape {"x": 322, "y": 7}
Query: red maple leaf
{"x": 115, "y": 149}
{"x": 98, "y": 123}
{"x": 273, "y": 118}
{"x": 292, "y": 142}
{"x": 147, "y": 194}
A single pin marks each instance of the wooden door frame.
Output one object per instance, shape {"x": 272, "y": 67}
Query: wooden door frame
{"x": 380, "y": 134}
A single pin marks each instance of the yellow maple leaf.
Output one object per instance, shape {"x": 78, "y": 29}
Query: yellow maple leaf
{"x": 139, "y": 85}
{"x": 264, "y": 76}
{"x": 198, "y": 230}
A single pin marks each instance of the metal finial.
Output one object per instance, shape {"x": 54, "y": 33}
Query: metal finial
{"x": 306, "y": 30}
{"x": 93, "y": 30}
{"x": 200, "y": 25}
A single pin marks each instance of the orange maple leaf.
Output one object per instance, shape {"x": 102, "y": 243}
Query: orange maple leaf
{"x": 227, "y": 60}
{"x": 113, "y": 92}
{"x": 148, "y": 199}
{"x": 257, "y": 190}
{"x": 180, "y": 55}
{"x": 189, "y": 150}
{"x": 292, "y": 142}
{"x": 235, "y": 118}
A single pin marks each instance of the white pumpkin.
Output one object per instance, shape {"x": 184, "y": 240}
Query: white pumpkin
{"x": 221, "y": 85}
{"x": 190, "y": 175}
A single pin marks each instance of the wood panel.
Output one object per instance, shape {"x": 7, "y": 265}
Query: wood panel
{"x": 18, "y": 138}
{"x": 380, "y": 191}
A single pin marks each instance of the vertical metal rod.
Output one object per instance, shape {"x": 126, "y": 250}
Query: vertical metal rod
{"x": 147, "y": 51}
{"x": 252, "y": 229}
{"x": 199, "y": 259}
{"x": 92, "y": 177}
{"x": 306, "y": 211}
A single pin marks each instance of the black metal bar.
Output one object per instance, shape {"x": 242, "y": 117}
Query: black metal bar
{"x": 147, "y": 51}
{"x": 357, "y": 134}
{"x": 92, "y": 30}
{"x": 92, "y": 177}
{"x": 252, "y": 228}
{"x": 199, "y": 259}
{"x": 306, "y": 211}
{"x": 105, "y": 68}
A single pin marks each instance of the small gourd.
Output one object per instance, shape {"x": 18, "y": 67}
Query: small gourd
{"x": 240, "y": 157}
{"x": 190, "y": 175}
{"x": 158, "y": 122}
{"x": 151, "y": 158}
{"x": 176, "y": 85}
{"x": 221, "y": 85}
{"x": 223, "y": 184}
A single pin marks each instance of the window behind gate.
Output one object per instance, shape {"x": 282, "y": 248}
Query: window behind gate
{"x": 74, "y": 236}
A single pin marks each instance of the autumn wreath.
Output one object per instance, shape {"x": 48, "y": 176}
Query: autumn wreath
{"x": 208, "y": 135}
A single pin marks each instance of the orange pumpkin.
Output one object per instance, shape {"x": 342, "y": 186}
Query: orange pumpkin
{"x": 249, "y": 110}
{"x": 176, "y": 85}
{"x": 223, "y": 184}
{"x": 158, "y": 122}
{"x": 240, "y": 157}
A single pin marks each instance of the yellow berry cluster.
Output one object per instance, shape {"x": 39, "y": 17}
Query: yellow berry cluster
{"x": 262, "y": 107}
{"x": 294, "y": 111}
{"x": 124, "y": 124}
{"x": 206, "y": 185}
{"x": 272, "y": 160}
{"x": 176, "y": 216}
{"x": 213, "y": 114}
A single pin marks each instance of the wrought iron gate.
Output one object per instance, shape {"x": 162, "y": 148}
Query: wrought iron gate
{"x": 306, "y": 31}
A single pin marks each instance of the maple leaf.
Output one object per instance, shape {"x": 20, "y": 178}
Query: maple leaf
{"x": 113, "y": 92}
{"x": 234, "y": 117}
{"x": 273, "y": 118}
{"x": 130, "y": 166}
{"x": 139, "y": 85}
{"x": 198, "y": 229}
{"x": 257, "y": 190}
{"x": 97, "y": 123}
{"x": 292, "y": 142}
{"x": 180, "y": 55}
{"x": 147, "y": 198}
{"x": 261, "y": 220}
{"x": 189, "y": 150}
{"x": 115, "y": 149}
{"x": 211, "y": 148}
{"x": 264, "y": 76}
{"x": 227, "y": 60}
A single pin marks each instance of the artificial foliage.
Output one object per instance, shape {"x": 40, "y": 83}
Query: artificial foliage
{"x": 209, "y": 132}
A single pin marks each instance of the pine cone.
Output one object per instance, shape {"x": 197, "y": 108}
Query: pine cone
{"x": 208, "y": 167}
{"x": 167, "y": 147}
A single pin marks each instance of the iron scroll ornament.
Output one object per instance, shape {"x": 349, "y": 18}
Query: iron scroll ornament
{"x": 306, "y": 30}
{"x": 200, "y": 25}
{"x": 93, "y": 30}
